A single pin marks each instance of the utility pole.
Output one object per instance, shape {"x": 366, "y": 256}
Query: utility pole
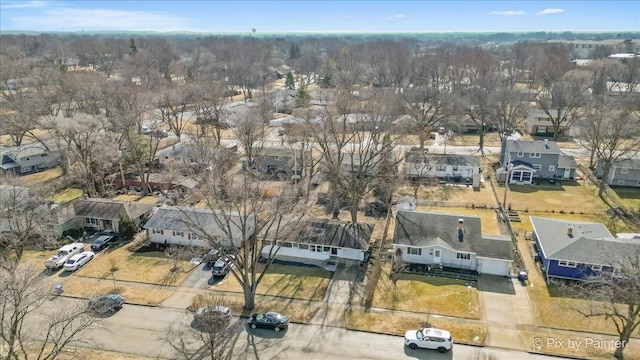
{"x": 506, "y": 182}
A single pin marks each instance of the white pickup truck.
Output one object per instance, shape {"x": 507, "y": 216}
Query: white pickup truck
{"x": 64, "y": 253}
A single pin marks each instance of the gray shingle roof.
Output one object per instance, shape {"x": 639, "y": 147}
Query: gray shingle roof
{"x": 111, "y": 209}
{"x": 336, "y": 233}
{"x": 421, "y": 229}
{"x": 199, "y": 221}
{"x": 533, "y": 147}
{"x": 567, "y": 162}
{"x": 590, "y": 243}
{"x": 446, "y": 159}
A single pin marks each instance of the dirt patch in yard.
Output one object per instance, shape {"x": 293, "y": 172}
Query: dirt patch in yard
{"x": 287, "y": 281}
{"x": 423, "y": 294}
{"x": 398, "y": 324}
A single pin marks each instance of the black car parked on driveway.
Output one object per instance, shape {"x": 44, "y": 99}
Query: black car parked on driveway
{"x": 102, "y": 241}
{"x": 269, "y": 320}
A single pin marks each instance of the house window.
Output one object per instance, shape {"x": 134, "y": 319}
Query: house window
{"x": 286, "y": 244}
{"x": 334, "y": 251}
{"x": 44, "y": 155}
{"x": 552, "y": 168}
{"x": 180, "y": 233}
{"x": 162, "y": 232}
{"x": 278, "y": 157}
{"x": 520, "y": 154}
{"x": 414, "y": 251}
{"x": 620, "y": 182}
{"x": 596, "y": 267}
{"x": 312, "y": 248}
{"x": 327, "y": 249}
{"x": 464, "y": 256}
{"x": 565, "y": 263}
{"x": 94, "y": 221}
{"x": 455, "y": 167}
{"x": 534, "y": 155}
{"x": 153, "y": 231}
{"x": 87, "y": 221}
{"x": 624, "y": 171}
{"x": 441, "y": 167}
{"x": 303, "y": 246}
{"x": 537, "y": 167}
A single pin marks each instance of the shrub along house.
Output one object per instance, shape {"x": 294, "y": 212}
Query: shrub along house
{"x": 451, "y": 241}
{"x": 574, "y": 249}
{"x": 198, "y": 227}
{"x": 319, "y": 240}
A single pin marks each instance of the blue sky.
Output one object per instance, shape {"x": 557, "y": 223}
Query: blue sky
{"x": 320, "y": 16}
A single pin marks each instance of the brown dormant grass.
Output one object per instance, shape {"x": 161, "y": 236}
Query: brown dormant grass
{"x": 419, "y": 293}
{"x": 398, "y": 324}
{"x": 134, "y": 295}
{"x": 287, "y": 281}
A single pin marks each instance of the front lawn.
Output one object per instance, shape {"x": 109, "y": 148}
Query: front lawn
{"x": 297, "y": 312}
{"x": 134, "y": 295}
{"x": 423, "y": 294}
{"x": 462, "y": 195}
{"x": 396, "y": 324}
{"x": 287, "y": 281}
{"x": 131, "y": 266}
{"x": 41, "y": 177}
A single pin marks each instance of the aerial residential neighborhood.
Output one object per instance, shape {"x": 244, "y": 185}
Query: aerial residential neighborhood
{"x": 234, "y": 195}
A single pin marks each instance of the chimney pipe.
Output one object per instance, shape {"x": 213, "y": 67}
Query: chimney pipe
{"x": 570, "y": 230}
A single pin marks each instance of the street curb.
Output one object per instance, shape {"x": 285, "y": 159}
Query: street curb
{"x": 82, "y": 297}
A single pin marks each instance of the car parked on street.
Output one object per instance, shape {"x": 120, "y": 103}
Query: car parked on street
{"x": 102, "y": 242}
{"x": 77, "y": 261}
{"x": 222, "y": 266}
{"x": 212, "y": 316}
{"x": 269, "y": 320}
{"x": 105, "y": 304}
{"x": 429, "y": 338}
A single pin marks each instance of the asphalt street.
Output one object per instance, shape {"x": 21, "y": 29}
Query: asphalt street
{"x": 146, "y": 331}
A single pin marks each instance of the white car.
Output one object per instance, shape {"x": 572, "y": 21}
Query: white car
{"x": 429, "y": 338}
{"x": 77, "y": 261}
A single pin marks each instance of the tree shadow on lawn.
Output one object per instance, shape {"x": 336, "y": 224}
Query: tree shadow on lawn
{"x": 626, "y": 193}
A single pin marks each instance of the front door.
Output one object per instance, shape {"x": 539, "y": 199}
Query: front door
{"x": 567, "y": 173}
{"x": 436, "y": 256}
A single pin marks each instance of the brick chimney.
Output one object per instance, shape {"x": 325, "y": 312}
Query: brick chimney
{"x": 461, "y": 230}
{"x": 570, "y": 230}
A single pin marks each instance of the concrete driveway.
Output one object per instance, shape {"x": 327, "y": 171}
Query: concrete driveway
{"x": 506, "y": 305}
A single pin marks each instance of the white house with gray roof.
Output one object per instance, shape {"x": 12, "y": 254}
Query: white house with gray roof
{"x": 198, "y": 227}
{"x": 539, "y": 123}
{"x": 573, "y": 249}
{"x": 450, "y": 240}
{"x": 441, "y": 165}
{"x": 319, "y": 240}
{"x": 28, "y": 158}
{"x": 524, "y": 161}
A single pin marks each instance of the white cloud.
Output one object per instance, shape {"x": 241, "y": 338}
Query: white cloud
{"x": 399, "y": 16}
{"x": 21, "y": 4}
{"x": 508, "y": 13}
{"x": 101, "y": 19}
{"x": 550, "y": 11}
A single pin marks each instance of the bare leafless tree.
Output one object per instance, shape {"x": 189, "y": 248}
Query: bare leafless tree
{"x": 614, "y": 292}
{"x": 25, "y": 333}
{"x": 612, "y": 132}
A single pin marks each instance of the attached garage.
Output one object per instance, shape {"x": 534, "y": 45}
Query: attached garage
{"x": 493, "y": 266}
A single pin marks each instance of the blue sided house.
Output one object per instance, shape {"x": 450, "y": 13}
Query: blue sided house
{"x": 575, "y": 250}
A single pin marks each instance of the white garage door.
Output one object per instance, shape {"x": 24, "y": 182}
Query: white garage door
{"x": 493, "y": 267}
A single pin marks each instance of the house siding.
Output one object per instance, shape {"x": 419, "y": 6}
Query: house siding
{"x": 428, "y": 170}
{"x": 447, "y": 257}
{"x": 170, "y": 237}
{"x": 343, "y": 253}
